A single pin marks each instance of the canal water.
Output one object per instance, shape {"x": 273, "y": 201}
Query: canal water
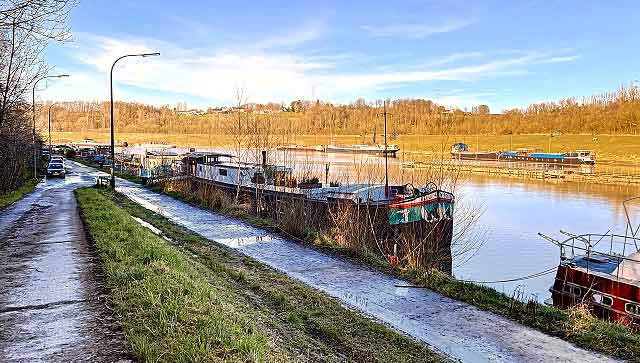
{"x": 513, "y": 212}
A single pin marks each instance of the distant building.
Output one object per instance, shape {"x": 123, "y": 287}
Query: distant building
{"x": 192, "y": 112}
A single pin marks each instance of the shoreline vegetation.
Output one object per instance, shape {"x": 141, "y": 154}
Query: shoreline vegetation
{"x": 22, "y": 191}
{"x": 182, "y": 297}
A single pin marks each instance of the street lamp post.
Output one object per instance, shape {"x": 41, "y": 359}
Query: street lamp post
{"x": 33, "y": 100}
{"x": 113, "y": 147}
{"x": 53, "y": 104}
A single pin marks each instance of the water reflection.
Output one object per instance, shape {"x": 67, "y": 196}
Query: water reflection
{"x": 516, "y": 210}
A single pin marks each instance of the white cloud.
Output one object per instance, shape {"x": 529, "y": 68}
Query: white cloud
{"x": 415, "y": 30}
{"x": 266, "y": 74}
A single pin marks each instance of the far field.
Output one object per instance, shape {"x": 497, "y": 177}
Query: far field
{"x": 607, "y": 147}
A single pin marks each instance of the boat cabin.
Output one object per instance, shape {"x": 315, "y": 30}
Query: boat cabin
{"x": 459, "y": 147}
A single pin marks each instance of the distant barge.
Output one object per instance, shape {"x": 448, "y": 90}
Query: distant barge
{"x": 371, "y": 149}
{"x": 460, "y": 151}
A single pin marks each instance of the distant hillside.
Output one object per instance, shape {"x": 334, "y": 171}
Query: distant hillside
{"x": 610, "y": 113}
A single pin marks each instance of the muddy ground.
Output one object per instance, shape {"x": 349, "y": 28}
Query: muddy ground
{"x": 52, "y": 298}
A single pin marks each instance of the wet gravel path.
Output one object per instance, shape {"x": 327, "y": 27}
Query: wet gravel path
{"x": 52, "y": 301}
{"x": 451, "y": 327}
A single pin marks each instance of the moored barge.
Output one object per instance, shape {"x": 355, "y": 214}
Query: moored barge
{"x": 460, "y": 151}
{"x": 402, "y": 221}
{"x": 607, "y": 282}
{"x": 373, "y": 149}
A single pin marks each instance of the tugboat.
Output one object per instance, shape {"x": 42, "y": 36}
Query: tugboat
{"x": 460, "y": 151}
{"x": 606, "y": 279}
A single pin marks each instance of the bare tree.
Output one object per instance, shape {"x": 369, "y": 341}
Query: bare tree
{"x": 26, "y": 27}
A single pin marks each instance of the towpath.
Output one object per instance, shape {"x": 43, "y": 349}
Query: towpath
{"x": 52, "y": 301}
{"x": 454, "y": 328}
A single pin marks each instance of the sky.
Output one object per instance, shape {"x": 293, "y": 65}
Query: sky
{"x": 504, "y": 54}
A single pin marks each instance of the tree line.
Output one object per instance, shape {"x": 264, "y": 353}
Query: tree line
{"x": 26, "y": 27}
{"x": 615, "y": 112}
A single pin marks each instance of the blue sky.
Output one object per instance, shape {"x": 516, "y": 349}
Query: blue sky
{"x": 502, "y": 53}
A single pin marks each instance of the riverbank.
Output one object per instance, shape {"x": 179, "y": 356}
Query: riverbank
{"x": 211, "y": 302}
{"x": 576, "y": 326}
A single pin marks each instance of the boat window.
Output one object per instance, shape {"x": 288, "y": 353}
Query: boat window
{"x": 573, "y": 290}
{"x": 632, "y": 308}
{"x": 222, "y": 172}
{"x": 602, "y": 299}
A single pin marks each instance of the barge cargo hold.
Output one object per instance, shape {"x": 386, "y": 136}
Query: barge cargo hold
{"x": 401, "y": 221}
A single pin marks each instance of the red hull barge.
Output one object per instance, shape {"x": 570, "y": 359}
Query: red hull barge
{"x": 608, "y": 283}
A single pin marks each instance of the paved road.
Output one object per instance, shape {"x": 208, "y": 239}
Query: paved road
{"x": 452, "y": 327}
{"x": 52, "y": 301}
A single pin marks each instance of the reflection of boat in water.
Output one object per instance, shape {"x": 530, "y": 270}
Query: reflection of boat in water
{"x": 461, "y": 151}
{"x": 373, "y": 149}
{"x": 606, "y": 279}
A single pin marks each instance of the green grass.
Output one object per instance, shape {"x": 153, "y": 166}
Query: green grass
{"x": 195, "y": 300}
{"x": 12, "y": 197}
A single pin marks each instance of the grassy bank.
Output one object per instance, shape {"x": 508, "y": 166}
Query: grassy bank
{"x": 194, "y": 300}
{"x": 576, "y": 326}
{"x": 608, "y": 147}
{"x": 27, "y": 187}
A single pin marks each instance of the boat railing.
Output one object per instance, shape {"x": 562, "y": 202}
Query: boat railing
{"x": 586, "y": 245}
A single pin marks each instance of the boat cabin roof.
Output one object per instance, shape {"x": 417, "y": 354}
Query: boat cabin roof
{"x": 596, "y": 262}
{"x": 602, "y": 265}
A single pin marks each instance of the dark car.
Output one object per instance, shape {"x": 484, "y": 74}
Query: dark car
{"x": 99, "y": 159}
{"x": 56, "y": 170}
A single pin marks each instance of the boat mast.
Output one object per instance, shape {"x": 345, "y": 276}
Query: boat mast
{"x": 386, "y": 168}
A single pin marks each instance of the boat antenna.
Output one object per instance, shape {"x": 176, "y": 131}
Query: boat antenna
{"x": 629, "y": 226}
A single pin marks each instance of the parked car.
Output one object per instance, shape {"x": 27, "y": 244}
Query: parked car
{"x": 99, "y": 159}
{"x": 56, "y": 158}
{"x": 55, "y": 169}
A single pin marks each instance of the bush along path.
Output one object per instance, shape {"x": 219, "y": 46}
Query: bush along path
{"x": 182, "y": 298}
